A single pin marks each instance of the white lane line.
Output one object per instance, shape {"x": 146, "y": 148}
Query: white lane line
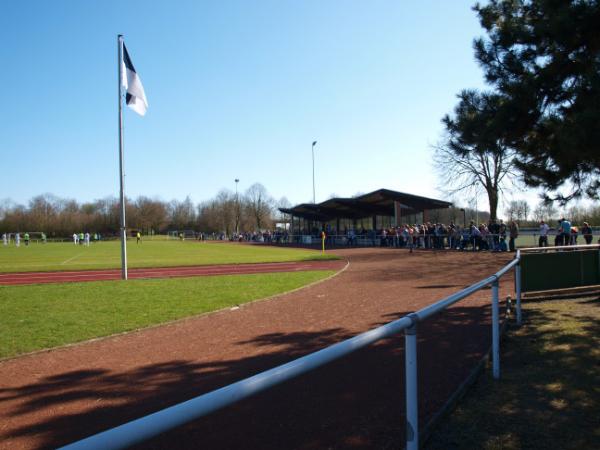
{"x": 70, "y": 259}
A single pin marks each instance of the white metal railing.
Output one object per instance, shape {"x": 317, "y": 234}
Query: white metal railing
{"x": 145, "y": 428}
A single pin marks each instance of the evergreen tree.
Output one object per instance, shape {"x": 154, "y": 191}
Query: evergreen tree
{"x": 543, "y": 57}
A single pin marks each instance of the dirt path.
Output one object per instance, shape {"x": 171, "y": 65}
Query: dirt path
{"x": 53, "y": 398}
{"x": 165, "y": 272}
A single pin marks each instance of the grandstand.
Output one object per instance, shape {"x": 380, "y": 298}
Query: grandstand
{"x": 376, "y": 210}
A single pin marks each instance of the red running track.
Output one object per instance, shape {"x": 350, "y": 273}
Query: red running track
{"x": 166, "y": 272}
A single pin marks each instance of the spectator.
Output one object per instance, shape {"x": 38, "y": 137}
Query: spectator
{"x": 502, "y": 229}
{"x": 494, "y": 229}
{"x": 475, "y": 236}
{"x": 543, "y": 240}
{"x": 502, "y": 245}
{"x": 574, "y": 234}
{"x": 351, "y": 238}
{"x": 483, "y": 243}
{"x": 514, "y": 234}
{"x": 558, "y": 239}
{"x": 565, "y": 231}
{"x": 586, "y": 230}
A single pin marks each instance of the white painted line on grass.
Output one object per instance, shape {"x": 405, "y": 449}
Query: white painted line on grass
{"x": 70, "y": 259}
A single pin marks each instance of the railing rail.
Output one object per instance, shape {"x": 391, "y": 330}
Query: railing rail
{"x": 559, "y": 247}
{"x": 145, "y": 428}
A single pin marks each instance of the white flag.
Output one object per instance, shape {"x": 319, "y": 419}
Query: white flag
{"x": 135, "y": 97}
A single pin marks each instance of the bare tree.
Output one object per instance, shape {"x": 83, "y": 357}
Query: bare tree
{"x": 151, "y": 214}
{"x": 183, "y": 214}
{"x": 259, "y": 205}
{"x": 473, "y": 155}
{"x": 544, "y": 211}
{"x": 283, "y": 202}
{"x": 517, "y": 210}
{"x": 225, "y": 208}
{"x": 43, "y": 210}
{"x": 467, "y": 174}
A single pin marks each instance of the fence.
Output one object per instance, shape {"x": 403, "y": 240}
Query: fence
{"x": 559, "y": 267}
{"x": 457, "y": 241}
{"x": 142, "y": 429}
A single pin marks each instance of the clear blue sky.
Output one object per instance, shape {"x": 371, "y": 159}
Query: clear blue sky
{"x": 237, "y": 89}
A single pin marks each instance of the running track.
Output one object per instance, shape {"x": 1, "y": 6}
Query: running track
{"x": 166, "y": 272}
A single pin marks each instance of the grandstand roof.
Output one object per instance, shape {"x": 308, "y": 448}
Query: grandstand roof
{"x": 379, "y": 202}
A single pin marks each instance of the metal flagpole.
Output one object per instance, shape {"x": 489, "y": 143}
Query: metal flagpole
{"x": 121, "y": 164}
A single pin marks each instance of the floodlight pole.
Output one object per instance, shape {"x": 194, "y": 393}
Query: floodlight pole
{"x": 313, "y": 170}
{"x": 237, "y": 208}
{"x": 121, "y": 165}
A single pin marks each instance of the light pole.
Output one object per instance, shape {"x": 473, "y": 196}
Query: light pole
{"x": 313, "y": 165}
{"x": 464, "y": 217}
{"x": 237, "y": 208}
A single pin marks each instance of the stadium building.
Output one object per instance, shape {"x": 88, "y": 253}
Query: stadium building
{"x": 376, "y": 210}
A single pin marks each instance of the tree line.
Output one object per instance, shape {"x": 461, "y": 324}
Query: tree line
{"x": 527, "y": 216}
{"x": 253, "y": 210}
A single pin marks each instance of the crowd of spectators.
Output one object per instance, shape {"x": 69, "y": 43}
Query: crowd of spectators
{"x": 495, "y": 235}
{"x": 491, "y": 236}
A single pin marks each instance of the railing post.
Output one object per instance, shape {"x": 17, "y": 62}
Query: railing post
{"x": 518, "y": 291}
{"x": 412, "y": 399}
{"x": 495, "y": 331}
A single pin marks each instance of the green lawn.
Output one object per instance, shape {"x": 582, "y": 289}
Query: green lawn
{"x": 151, "y": 253}
{"x": 549, "y": 393}
{"x": 35, "y": 317}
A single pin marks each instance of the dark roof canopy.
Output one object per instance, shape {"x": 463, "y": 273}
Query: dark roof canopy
{"x": 380, "y": 202}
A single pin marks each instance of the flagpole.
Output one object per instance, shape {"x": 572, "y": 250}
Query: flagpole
{"x": 121, "y": 164}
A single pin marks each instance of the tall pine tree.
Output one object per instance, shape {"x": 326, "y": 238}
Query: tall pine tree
{"x": 543, "y": 57}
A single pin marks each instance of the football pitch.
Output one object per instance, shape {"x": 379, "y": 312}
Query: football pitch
{"x": 150, "y": 253}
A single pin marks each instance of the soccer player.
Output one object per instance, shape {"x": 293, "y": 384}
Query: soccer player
{"x": 18, "y": 239}
{"x": 87, "y": 239}
{"x": 26, "y": 239}
{"x": 4, "y": 239}
{"x": 138, "y": 237}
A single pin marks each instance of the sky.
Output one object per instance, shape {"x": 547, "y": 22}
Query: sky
{"x": 236, "y": 90}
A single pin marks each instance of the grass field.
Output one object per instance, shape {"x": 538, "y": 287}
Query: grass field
{"x": 156, "y": 253}
{"x": 548, "y": 396}
{"x": 35, "y": 317}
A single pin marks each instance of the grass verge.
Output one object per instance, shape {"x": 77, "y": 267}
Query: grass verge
{"x": 36, "y": 317}
{"x": 549, "y": 393}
